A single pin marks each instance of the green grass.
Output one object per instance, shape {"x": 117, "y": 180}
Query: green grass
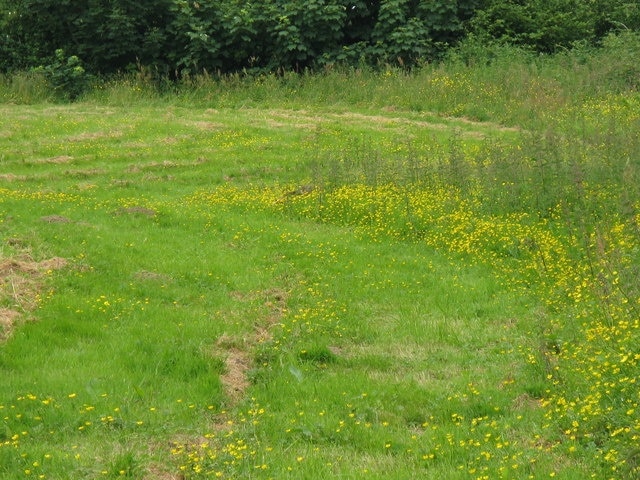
{"x": 349, "y": 275}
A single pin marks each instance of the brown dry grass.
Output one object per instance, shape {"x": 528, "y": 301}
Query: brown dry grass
{"x": 234, "y": 380}
{"x": 21, "y": 280}
{"x": 238, "y": 353}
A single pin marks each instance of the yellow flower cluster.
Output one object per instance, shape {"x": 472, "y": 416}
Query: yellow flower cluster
{"x": 588, "y": 283}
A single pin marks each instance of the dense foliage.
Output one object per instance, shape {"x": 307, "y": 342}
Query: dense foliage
{"x": 183, "y": 36}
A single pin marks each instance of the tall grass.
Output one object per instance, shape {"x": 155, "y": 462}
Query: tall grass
{"x": 502, "y": 83}
{"x": 24, "y": 88}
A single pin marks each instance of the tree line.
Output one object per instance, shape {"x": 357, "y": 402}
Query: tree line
{"x": 182, "y": 37}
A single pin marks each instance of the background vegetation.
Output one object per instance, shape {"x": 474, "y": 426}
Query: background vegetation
{"x": 179, "y": 37}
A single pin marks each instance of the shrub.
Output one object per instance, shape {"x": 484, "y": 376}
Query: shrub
{"x": 66, "y": 76}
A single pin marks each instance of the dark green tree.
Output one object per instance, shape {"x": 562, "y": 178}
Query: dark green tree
{"x": 109, "y": 35}
{"x": 178, "y": 37}
{"x": 549, "y": 25}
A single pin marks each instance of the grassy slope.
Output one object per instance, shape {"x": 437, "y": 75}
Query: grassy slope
{"x": 368, "y": 357}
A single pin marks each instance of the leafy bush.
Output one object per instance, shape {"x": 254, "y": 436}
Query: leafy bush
{"x": 112, "y": 34}
{"x": 552, "y": 25}
{"x": 544, "y": 25}
{"x": 621, "y": 52}
{"x": 66, "y": 75}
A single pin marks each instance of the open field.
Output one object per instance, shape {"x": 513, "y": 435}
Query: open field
{"x": 289, "y": 287}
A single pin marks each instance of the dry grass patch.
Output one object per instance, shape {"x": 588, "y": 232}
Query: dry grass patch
{"x": 234, "y": 379}
{"x": 85, "y": 136}
{"x": 144, "y": 275}
{"x": 57, "y": 160}
{"x": 136, "y": 210}
{"x": 390, "y": 119}
{"x": 10, "y": 177}
{"x": 205, "y": 126}
{"x": 238, "y": 353}
{"x": 21, "y": 281}
{"x": 7, "y": 320}
{"x": 55, "y": 219}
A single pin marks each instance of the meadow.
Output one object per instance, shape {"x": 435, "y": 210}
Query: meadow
{"x": 354, "y": 274}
